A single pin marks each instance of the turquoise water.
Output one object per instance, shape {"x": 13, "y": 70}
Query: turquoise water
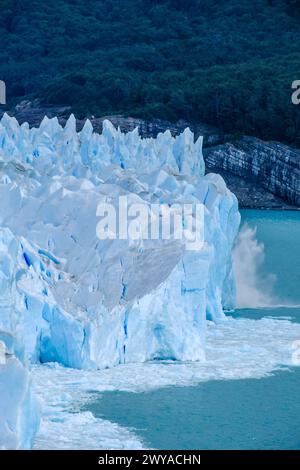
{"x": 280, "y": 233}
{"x": 234, "y": 414}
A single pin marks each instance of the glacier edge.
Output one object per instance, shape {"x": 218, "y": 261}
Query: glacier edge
{"x": 70, "y": 298}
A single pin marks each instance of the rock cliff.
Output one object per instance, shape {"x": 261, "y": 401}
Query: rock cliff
{"x": 272, "y": 165}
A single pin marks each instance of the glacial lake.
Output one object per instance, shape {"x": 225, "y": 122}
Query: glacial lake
{"x": 229, "y": 414}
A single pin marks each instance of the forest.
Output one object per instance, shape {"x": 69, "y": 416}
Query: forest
{"x": 227, "y": 63}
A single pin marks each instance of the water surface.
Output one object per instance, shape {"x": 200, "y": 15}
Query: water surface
{"x": 229, "y": 414}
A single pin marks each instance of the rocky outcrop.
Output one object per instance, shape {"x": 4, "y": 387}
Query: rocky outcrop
{"x": 272, "y": 165}
{"x": 250, "y": 193}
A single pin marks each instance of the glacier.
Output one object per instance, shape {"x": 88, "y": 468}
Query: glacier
{"x": 68, "y": 297}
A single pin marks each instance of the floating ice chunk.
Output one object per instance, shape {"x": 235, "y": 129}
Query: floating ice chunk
{"x": 19, "y": 412}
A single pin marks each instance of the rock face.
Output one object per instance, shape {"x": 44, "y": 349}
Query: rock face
{"x": 272, "y": 165}
{"x": 250, "y": 193}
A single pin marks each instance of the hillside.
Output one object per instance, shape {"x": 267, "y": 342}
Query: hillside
{"x": 230, "y": 64}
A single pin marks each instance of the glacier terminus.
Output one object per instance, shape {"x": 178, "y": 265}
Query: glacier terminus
{"x": 68, "y": 297}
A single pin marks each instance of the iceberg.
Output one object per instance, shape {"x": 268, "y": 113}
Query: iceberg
{"x": 70, "y": 297}
{"x": 19, "y": 410}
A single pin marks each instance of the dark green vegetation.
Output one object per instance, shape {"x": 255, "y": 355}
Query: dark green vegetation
{"x": 229, "y": 63}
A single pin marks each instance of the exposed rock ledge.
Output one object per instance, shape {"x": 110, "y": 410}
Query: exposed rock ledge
{"x": 268, "y": 165}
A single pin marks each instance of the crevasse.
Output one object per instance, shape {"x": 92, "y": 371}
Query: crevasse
{"x": 67, "y": 296}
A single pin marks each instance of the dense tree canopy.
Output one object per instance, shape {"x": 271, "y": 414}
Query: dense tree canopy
{"x": 229, "y": 63}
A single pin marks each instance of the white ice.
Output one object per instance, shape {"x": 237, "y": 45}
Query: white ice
{"x": 70, "y": 298}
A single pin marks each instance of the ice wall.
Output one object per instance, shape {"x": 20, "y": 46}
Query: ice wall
{"x": 19, "y": 410}
{"x": 69, "y": 297}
